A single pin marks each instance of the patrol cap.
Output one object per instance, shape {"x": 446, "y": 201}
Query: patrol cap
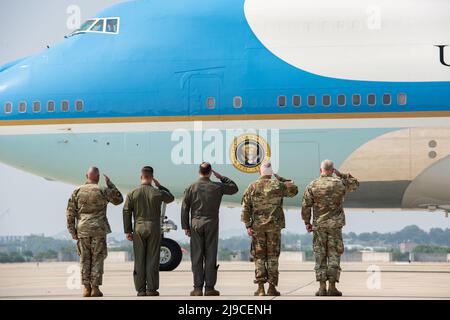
{"x": 266, "y": 169}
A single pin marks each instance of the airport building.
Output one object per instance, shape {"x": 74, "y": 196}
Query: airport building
{"x": 406, "y": 247}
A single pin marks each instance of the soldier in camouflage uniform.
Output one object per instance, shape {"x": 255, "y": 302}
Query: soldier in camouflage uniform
{"x": 325, "y": 196}
{"x": 88, "y": 225}
{"x": 262, "y": 213}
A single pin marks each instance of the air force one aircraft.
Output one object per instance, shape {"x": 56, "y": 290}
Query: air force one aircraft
{"x": 363, "y": 82}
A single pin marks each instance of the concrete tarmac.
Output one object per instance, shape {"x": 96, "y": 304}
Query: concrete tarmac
{"x": 60, "y": 281}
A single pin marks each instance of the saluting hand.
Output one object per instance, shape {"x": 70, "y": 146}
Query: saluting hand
{"x": 107, "y": 180}
{"x": 289, "y": 184}
{"x": 217, "y": 175}
{"x": 336, "y": 172}
{"x": 157, "y": 184}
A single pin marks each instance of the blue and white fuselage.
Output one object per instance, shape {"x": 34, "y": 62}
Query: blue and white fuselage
{"x": 364, "y": 83}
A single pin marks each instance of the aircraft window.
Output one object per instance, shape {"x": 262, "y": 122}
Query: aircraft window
{"x": 79, "y": 105}
{"x": 98, "y": 26}
{"x": 326, "y": 100}
{"x": 112, "y": 25}
{"x": 51, "y": 106}
{"x": 341, "y": 100}
{"x": 282, "y": 101}
{"x": 311, "y": 101}
{"x": 237, "y": 102}
{"x": 387, "y": 100}
{"x": 371, "y": 99}
{"x": 64, "y": 106}
{"x": 401, "y": 99}
{"x": 85, "y": 26}
{"x": 22, "y": 107}
{"x": 36, "y": 106}
{"x": 356, "y": 99}
{"x": 211, "y": 103}
{"x": 8, "y": 107}
{"x": 296, "y": 101}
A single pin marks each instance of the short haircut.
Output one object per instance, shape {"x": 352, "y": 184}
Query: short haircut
{"x": 205, "y": 169}
{"x": 327, "y": 165}
{"x": 147, "y": 171}
{"x": 93, "y": 170}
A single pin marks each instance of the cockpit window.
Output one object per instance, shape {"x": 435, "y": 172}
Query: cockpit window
{"x": 85, "y": 26}
{"x": 112, "y": 25}
{"x": 99, "y": 25}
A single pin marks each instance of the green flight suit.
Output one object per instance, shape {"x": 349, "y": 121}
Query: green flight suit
{"x": 143, "y": 205}
{"x": 200, "y": 214}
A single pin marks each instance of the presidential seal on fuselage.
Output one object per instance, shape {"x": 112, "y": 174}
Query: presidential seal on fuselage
{"x": 248, "y": 151}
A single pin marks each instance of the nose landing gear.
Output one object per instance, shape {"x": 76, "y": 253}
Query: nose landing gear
{"x": 171, "y": 255}
{"x": 170, "y": 251}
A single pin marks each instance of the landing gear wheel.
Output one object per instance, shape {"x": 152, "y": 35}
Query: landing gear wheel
{"x": 171, "y": 255}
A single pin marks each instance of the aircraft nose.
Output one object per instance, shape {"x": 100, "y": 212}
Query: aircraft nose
{"x": 13, "y": 78}
{"x": 4, "y": 83}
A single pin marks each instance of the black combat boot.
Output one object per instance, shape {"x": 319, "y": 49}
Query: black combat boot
{"x": 211, "y": 292}
{"x": 197, "y": 292}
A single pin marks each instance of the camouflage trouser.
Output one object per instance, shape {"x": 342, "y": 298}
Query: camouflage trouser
{"x": 266, "y": 247}
{"x": 328, "y": 248}
{"x": 92, "y": 253}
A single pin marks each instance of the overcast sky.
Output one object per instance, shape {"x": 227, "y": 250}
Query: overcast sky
{"x": 30, "y": 204}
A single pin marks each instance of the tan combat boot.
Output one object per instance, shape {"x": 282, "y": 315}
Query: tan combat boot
{"x": 273, "y": 291}
{"x": 332, "y": 291}
{"x": 87, "y": 291}
{"x": 96, "y": 292}
{"x": 322, "y": 289}
{"x": 197, "y": 292}
{"x": 261, "y": 291}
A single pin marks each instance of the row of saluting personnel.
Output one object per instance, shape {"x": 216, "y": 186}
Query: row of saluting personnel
{"x": 262, "y": 214}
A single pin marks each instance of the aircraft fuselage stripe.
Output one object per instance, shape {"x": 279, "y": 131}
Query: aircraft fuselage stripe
{"x": 368, "y": 115}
